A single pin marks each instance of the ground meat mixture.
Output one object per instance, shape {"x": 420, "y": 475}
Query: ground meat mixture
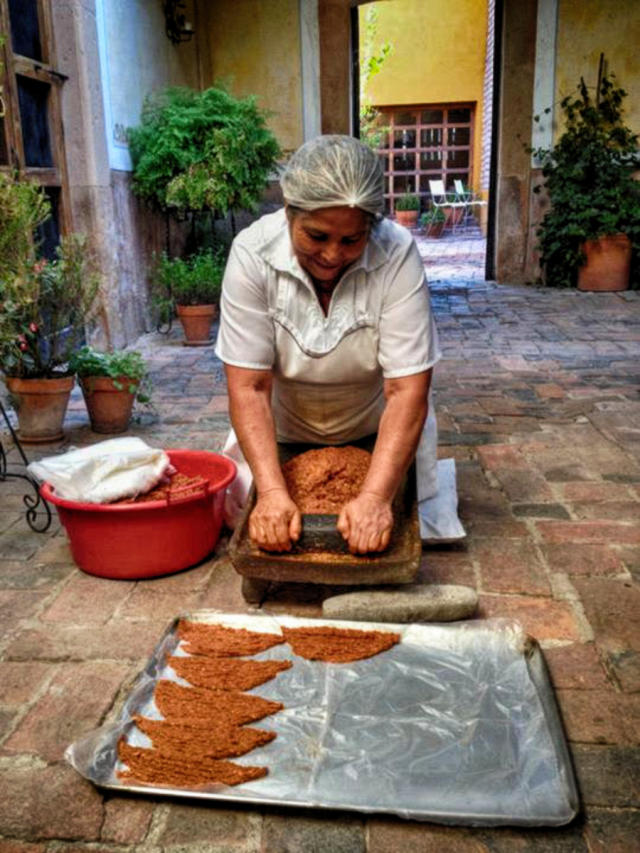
{"x": 338, "y": 645}
{"x": 181, "y": 766}
{"x": 186, "y": 485}
{"x": 178, "y": 704}
{"x": 226, "y": 673}
{"x": 217, "y": 741}
{"x": 204, "y": 724}
{"x": 201, "y": 638}
{"x": 322, "y": 481}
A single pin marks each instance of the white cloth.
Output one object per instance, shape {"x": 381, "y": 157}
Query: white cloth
{"x": 438, "y": 514}
{"x": 103, "y": 472}
{"x": 328, "y": 370}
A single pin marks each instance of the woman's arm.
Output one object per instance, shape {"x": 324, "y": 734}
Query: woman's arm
{"x": 366, "y": 522}
{"x": 275, "y": 520}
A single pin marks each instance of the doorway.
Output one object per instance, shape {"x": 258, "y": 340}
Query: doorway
{"x": 433, "y": 101}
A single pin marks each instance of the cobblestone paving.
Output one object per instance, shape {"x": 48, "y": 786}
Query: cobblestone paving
{"x": 537, "y": 396}
{"x": 458, "y": 257}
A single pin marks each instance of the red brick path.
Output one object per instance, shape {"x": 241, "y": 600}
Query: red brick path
{"x": 537, "y": 396}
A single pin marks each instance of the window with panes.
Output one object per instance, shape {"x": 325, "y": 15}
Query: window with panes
{"x": 425, "y": 142}
{"x": 31, "y": 140}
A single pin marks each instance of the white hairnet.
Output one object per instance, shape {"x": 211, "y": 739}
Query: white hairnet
{"x": 332, "y": 171}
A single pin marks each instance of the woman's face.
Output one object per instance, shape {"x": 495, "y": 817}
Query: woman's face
{"x": 327, "y": 240}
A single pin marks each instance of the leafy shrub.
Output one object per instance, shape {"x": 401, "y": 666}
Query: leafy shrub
{"x": 23, "y": 207}
{"x": 408, "y": 201}
{"x": 196, "y": 280}
{"x": 200, "y": 151}
{"x": 119, "y": 365}
{"x": 432, "y": 216}
{"x": 45, "y": 307}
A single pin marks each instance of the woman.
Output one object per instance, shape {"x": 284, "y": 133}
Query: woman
{"x": 327, "y": 336}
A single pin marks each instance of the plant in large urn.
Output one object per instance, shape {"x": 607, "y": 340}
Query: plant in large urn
{"x": 591, "y": 232}
{"x": 44, "y": 307}
{"x": 189, "y": 287}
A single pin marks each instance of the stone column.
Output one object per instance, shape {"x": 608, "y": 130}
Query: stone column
{"x": 88, "y": 170}
{"x": 514, "y": 163}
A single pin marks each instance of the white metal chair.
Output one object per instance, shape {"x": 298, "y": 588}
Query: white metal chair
{"x": 439, "y": 198}
{"x": 468, "y": 197}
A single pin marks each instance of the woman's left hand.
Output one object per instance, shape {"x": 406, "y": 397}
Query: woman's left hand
{"x": 366, "y": 522}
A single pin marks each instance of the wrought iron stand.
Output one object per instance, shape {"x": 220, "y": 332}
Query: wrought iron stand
{"x": 32, "y": 502}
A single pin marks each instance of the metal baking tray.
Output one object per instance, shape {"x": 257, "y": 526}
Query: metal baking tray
{"x": 456, "y": 724}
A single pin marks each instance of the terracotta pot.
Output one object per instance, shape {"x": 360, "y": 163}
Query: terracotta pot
{"x": 109, "y": 407}
{"x": 608, "y": 263}
{"x": 450, "y": 214}
{"x": 196, "y": 323}
{"x": 41, "y": 405}
{"x": 434, "y": 229}
{"x": 408, "y": 218}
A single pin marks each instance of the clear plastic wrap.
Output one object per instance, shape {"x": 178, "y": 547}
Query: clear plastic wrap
{"x": 455, "y": 724}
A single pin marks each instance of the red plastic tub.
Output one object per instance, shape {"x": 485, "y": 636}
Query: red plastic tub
{"x": 144, "y": 540}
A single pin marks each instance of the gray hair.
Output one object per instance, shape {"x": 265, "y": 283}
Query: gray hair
{"x": 334, "y": 171}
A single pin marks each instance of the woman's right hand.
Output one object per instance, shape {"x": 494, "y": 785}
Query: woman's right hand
{"x": 275, "y": 521}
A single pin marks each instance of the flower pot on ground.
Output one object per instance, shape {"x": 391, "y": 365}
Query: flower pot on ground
{"x": 607, "y": 264}
{"x": 407, "y": 210}
{"x": 196, "y": 323}
{"x": 433, "y": 222}
{"x": 592, "y": 192}
{"x": 190, "y": 287}
{"x": 111, "y": 382}
{"x": 41, "y": 405}
{"x": 46, "y": 304}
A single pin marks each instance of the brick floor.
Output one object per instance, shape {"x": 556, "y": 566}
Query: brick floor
{"x": 537, "y": 396}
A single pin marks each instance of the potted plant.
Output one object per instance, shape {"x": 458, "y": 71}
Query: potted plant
{"x": 201, "y": 152}
{"x": 433, "y": 221}
{"x": 407, "y": 208}
{"x": 587, "y": 235}
{"x": 190, "y": 287}
{"x": 45, "y": 305}
{"x": 111, "y": 382}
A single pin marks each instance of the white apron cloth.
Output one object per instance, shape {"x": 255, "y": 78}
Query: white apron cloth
{"x": 340, "y": 399}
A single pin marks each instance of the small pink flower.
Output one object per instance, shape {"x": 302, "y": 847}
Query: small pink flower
{"x": 22, "y": 339}
{"x": 40, "y": 265}
{"x": 33, "y": 328}
{"x": 24, "y": 346}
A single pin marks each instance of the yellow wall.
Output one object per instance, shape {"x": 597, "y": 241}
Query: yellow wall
{"x": 585, "y": 29}
{"x": 255, "y": 47}
{"x": 438, "y": 55}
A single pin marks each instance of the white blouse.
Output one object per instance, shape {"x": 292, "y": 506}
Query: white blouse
{"x": 328, "y": 370}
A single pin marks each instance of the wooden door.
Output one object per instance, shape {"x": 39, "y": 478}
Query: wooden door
{"x": 31, "y": 138}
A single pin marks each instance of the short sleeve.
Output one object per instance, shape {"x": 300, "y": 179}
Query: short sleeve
{"x": 246, "y": 335}
{"x": 408, "y": 341}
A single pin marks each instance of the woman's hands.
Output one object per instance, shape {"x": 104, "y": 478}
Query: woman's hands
{"x": 366, "y": 522}
{"x": 275, "y": 521}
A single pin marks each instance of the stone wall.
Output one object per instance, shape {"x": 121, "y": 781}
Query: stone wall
{"x": 123, "y": 234}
